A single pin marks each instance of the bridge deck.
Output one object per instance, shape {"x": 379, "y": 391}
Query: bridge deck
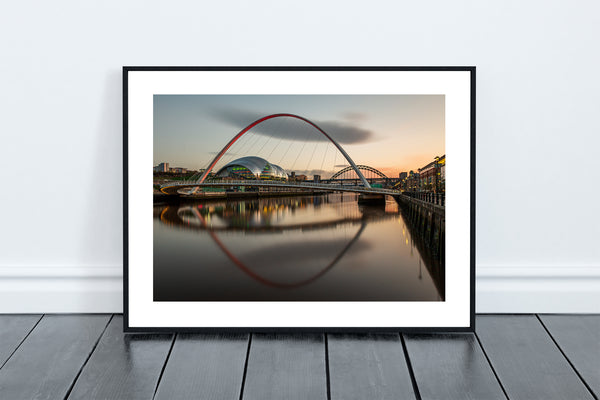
{"x": 509, "y": 356}
{"x": 173, "y": 187}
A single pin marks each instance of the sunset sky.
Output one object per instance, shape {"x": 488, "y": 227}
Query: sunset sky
{"x": 388, "y": 132}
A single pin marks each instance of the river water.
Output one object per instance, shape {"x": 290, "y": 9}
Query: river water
{"x": 304, "y": 248}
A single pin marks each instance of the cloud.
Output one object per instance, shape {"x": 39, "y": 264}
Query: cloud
{"x": 343, "y": 133}
{"x": 354, "y": 116}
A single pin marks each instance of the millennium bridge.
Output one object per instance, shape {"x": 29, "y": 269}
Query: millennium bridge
{"x": 332, "y": 184}
{"x": 174, "y": 187}
{"x": 339, "y": 181}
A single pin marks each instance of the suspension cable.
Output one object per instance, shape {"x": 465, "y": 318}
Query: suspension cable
{"x": 324, "y": 156}
{"x": 313, "y": 153}
{"x": 300, "y": 152}
{"x": 284, "y": 154}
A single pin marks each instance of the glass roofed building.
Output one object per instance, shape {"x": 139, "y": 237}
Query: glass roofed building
{"x": 252, "y": 167}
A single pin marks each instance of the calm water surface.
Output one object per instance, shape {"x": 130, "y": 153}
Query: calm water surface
{"x": 309, "y": 248}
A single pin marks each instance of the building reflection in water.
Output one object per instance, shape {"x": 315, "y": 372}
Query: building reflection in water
{"x": 309, "y": 248}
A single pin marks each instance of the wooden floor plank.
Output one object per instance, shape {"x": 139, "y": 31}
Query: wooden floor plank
{"x": 205, "y": 366}
{"x": 46, "y": 364}
{"x": 286, "y": 366}
{"x": 579, "y": 338}
{"x": 13, "y": 329}
{"x": 451, "y": 366}
{"x": 123, "y": 366}
{"x": 368, "y": 366}
{"x": 526, "y": 360}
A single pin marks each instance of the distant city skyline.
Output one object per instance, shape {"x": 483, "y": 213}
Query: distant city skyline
{"x": 391, "y": 133}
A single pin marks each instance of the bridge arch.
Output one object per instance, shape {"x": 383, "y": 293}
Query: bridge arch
{"x": 363, "y": 167}
{"x": 268, "y": 117}
{"x": 247, "y": 270}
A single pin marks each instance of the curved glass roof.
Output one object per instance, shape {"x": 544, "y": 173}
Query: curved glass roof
{"x": 257, "y": 166}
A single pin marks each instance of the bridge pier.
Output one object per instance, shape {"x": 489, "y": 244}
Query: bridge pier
{"x": 371, "y": 199}
{"x": 166, "y": 198}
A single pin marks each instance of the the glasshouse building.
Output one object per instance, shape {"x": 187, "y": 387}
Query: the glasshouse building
{"x": 252, "y": 167}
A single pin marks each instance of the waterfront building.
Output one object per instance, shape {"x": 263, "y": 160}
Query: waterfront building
{"x": 162, "y": 167}
{"x": 442, "y": 174}
{"x": 430, "y": 176}
{"x": 178, "y": 170}
{"x": 252, "y": 167}
{"x": 412, "y": 182}
{"x": 427, "y": 177}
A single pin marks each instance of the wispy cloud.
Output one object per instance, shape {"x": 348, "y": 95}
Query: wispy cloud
{"x": 354, "y": 116}
{"x": 343, "y": 133}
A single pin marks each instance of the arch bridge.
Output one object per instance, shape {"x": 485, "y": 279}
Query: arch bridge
{"x": 281, "y": 115}
{"x": 349, "y": 168}
{"x": 174, "y": 187}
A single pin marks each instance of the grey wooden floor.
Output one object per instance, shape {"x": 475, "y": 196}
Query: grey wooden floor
{"x": 510, "y": 356}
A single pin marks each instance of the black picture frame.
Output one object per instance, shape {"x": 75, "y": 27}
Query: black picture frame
{"x": 127, "y": 70}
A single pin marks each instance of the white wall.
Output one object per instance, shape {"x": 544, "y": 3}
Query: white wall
{"x": 538, "y": 127}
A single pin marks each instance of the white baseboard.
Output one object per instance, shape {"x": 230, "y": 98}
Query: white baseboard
{"x": 92, "y": 289}
{"x": 521, "y": 290}
{"x": 49, "y": 289}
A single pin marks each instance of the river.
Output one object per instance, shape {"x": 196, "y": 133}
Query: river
{"x": 302, "y": 248}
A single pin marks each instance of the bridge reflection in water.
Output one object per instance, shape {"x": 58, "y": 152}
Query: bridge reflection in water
{"x": 309, "y": 248}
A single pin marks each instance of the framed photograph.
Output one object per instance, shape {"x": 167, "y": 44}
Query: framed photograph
{"x": 299, "y": 198}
